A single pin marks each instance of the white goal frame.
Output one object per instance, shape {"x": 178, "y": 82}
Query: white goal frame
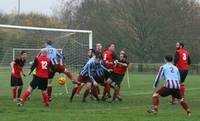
{"x": 50, "y": 29}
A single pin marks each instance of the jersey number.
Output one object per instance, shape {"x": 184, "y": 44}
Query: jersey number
{"x": 44, "y": 64}
{"x": 184, "y": 57}
{"x": 172, "y": 69}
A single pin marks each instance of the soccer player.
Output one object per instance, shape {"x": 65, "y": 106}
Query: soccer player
{"x": 118, "y": 74}
{"x": 181, "y": 61}
{"x": 16, "y": 75}
{"x": 87, "y": 76}
{"x": 98, "y": 49}
{"x": 171, "y": 76}
{"x": 53, "y": 55}
{"x": 91, "y": 53}
{"x": 42, "y": 64}
{"x": 109, "y": 57}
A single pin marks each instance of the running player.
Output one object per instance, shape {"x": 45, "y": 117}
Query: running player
{"x": 181, "y": 61}
{"x": 42, "y": 64}
{"x": 16, "y": 75}
{"x": 171, "y": 76}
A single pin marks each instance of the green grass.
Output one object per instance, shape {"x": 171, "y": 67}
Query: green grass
{"x": 136, "y": 101}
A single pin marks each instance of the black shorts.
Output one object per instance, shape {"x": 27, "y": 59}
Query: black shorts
{"x": 106, "y": 74}
{"x": 163, "y": 92}
{"x": 16, "y": 81}
{"x": 41, "y": 83}
{"x": 99, "y": 80}
{"x": 117, "y": 78}
{"x": 183, "y": 75}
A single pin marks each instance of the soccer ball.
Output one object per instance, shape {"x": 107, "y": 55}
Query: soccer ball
{"x": 61, "y": 81}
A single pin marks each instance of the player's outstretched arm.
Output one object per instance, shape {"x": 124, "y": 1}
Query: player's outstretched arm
{"x": 12, "y": 67}
{"x": 189, "y": 60}
{"x": 33, "y": 66}
{"x": 158, "y": 77}
{"x": 176, "y": 58}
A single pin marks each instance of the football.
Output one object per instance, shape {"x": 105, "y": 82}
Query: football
{"x": 61, "y": 81}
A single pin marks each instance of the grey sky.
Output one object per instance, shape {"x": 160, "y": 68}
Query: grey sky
{"x": 40, "y": 6}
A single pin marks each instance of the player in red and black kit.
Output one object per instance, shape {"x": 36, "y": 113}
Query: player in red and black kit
{"x": 181, "y": 61}
{"x": 42, "y": 64}
{"x": 16, "y": 75}
{"x": 118, "y": 74}
{"x": 108, "y": 58}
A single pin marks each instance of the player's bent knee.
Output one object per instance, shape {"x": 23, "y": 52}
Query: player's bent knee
{"x": 156, "y": 95}
{"x": 30, "y": 89}
{"x": 182, "y": 100}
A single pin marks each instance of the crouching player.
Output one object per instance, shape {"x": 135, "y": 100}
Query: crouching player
{"x": 16, "y": 75}
{"x": 171, "y": 76}
{"x": 42, "y": 64}
{"x": 87, "y": 76}
{"x": 118, "y": 74}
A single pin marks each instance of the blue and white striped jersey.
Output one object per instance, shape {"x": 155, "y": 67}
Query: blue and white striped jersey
{"x": 54, "y": 54}
{"x": 100, "y": 70}
{"x": 170, "y": 75}
{"x": 89, "y": 68}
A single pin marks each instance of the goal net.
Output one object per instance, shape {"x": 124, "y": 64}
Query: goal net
{"x": 73, "y": 44}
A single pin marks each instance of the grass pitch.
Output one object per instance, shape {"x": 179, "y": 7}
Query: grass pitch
{"x": 136, "y": 101}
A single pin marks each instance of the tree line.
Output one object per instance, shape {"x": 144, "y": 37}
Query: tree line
{"x": 145, "y": 29}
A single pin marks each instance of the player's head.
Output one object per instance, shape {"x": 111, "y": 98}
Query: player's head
{"x": 168, "y": 58}
{"x": 179, "y": 45}
{"x": 111, "y": 47}
{"x": 122, "y": 51}
{"x": 23, "y": 54}
{"x": 98, "y": 47}
{"x": 91, "y": 53}
{"x": 48, "y": 43}
{"x": 97, "y": 59}
{"x": 122, "y": 56}
{"x": 43, "y": 52}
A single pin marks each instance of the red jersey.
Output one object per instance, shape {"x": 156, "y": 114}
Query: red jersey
{"x": 120, "y": 69}
{"x": 108, "y": 59}
{"x": 182, "y": 60}
{"x": 19, "y": 63}
{"x": 42, "y": 65}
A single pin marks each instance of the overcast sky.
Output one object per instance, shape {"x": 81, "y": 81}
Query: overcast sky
{"x": 41, "y": 6}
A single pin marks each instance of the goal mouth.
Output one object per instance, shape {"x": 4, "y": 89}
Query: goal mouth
{"x": 74, "y": 44}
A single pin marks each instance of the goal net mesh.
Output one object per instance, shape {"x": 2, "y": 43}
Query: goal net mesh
{"x": 74, "y": 45}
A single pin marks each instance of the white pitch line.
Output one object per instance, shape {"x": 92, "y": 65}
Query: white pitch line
{"x": 148, "y": 93}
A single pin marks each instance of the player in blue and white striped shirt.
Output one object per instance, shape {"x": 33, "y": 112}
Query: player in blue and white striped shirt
{"x": 53, "y": 55}
{"x": 170, "y": 74}
{"x": 86, "y": 75}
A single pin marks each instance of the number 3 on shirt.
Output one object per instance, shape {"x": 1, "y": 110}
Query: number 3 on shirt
{"x": 184, "y": 57}
{"x": 44, "y": 65}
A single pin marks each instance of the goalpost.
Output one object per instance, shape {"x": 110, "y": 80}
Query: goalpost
{"x": 73, "y": 44}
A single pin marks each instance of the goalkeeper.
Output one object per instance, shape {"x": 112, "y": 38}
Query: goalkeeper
{"x": 53, "y": 55}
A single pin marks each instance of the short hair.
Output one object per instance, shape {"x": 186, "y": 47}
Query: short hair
{"x": 125, "y": 55}
{"x": 169, "y": 58}
{"x": 181, "y": 44}
{"x": 93, "y": 51}
{"x": 22, "y": 52}
{"x": 49, "y": 42}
